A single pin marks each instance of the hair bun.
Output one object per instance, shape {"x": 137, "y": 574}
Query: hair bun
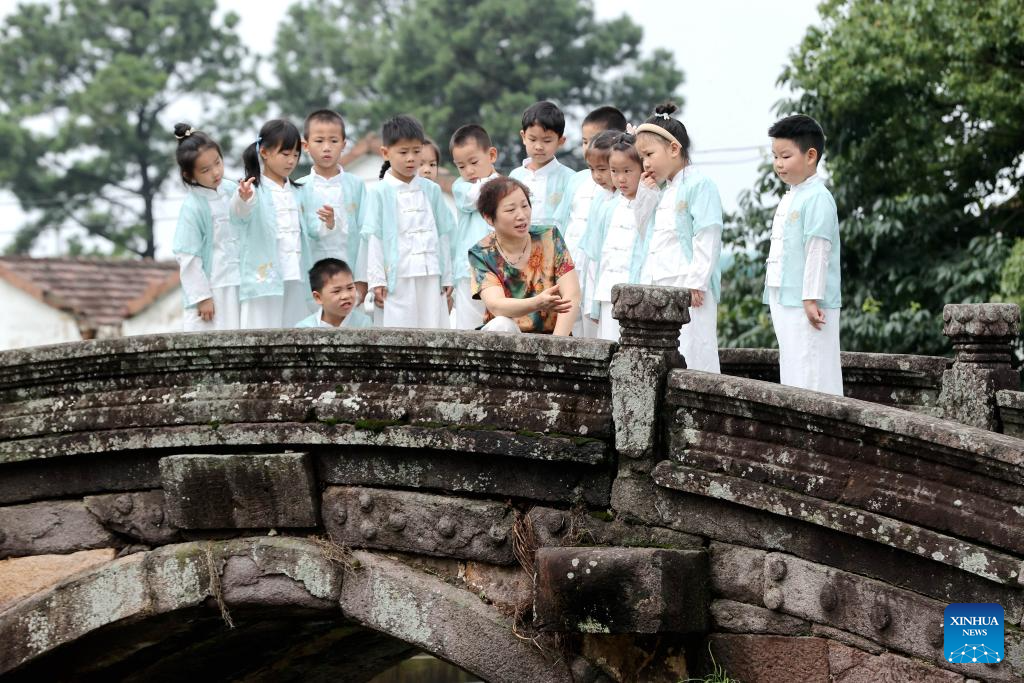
{"x": 667, "y": 108}
{"x": 182, "y": 131}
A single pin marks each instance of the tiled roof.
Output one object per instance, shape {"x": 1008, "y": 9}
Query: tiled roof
{"x": 96, "y": 291}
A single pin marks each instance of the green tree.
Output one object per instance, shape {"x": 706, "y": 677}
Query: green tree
{"x": 455, "y": 63}
{"x": 84, "y": 90}
{"x": 923, "y": 105}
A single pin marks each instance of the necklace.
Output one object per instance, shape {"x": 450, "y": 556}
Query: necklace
{"x": 517, "y": 258}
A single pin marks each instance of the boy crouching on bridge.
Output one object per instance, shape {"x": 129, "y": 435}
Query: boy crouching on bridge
{"x": 335, "y": 293}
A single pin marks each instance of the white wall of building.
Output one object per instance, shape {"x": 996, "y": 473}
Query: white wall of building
{"x": 163, "y": 315}
{"x": 27, "y": 321}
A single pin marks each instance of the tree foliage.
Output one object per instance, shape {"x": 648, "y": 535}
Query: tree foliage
{"x": 84, "y": 87}
{"x": 923, "y": 105}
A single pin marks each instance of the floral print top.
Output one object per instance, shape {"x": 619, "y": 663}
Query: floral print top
{"x": 549, "y": 260}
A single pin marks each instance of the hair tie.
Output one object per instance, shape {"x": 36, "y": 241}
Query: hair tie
{"x": 663, "y": 115}
{"x": 631, "y": 129}
{"x": 185, "y": 134}
{"x": 258, "y": 141}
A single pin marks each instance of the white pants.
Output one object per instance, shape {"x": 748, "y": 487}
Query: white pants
{"x": 469, "y": 312}
{"x": 607, "y": 326}
{"x": 227, "y": 312}
{"x": 502, "y": 324}
{"x": 266, "y": 312}
{"x": 698, "y": 339}
{"x": 808, "y": 358}
{"x": 415, "y": 302}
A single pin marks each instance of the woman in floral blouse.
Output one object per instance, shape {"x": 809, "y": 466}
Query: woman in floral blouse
{"x": 523, "y": 274}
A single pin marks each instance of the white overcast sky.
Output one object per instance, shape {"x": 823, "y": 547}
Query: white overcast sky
{"x": 731, "y": 52}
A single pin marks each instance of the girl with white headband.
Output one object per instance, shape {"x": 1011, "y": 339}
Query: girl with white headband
{"x": 683, "y": 245}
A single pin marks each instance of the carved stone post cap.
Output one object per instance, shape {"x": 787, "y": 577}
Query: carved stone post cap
{"x": 650, "y": 304}
{"x": 981, "y": 321}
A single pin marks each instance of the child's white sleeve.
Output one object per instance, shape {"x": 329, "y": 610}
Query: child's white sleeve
{"x": 646, "y": 203}
{"x": 194, "y": 282}
{"x": 816, "y": 255}
{"x": 375, "y": 275}
{"x": 242, "y": 208}
{"x": 444, "y": 258}
{"x": 707, "y": 247}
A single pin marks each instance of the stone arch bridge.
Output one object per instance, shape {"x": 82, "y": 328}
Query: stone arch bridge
{"x": 300, "y": 505}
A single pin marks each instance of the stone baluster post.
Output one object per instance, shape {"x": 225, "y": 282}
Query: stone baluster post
{"x": 982, "y": 336}
{"x": 650, "y": 319}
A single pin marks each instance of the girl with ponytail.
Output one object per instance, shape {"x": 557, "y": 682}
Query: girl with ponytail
{"x": 271, "y": 219}
{"x": 205, "y": 240}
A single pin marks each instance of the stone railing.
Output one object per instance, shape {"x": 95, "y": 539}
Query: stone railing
{"x": 905, "y": 381}
{"x": 329, "y": 503}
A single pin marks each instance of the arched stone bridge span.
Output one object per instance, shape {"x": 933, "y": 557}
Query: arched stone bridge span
{"x": 300, "y": 505}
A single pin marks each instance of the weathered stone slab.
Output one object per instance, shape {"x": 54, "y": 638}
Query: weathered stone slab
{"x": 621, "y": 590}
{"x": 739, "y": 617}
{"x": 446, "y": 621}
{"x": 53, "y": 527}
{"x": 771, "y": 659}
{"x": 899, "y": 619}
{"x": 475, "y": 473}
{"x": 737, "y": 572}
{"x": 553, "y": 527}
{"x": 849, "y": 665}
{"x": 731, "y": 523}
{"x": 44, "y": 479}
{"x": 969, "y": 557}
{"x": 23, "y": 576}
{"x": 445, "y": 526}
{"x": 137, "y": 514}
{"x": 907, "y": 381}
{"x": 239, "y": 491}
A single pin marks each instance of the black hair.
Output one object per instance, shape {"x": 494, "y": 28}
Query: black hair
{"x": 471, "y": 132}
{"x": 275, "y": 134}
{"x": 663, "y": 118}
{"x": 401, "y": 127}
{"x": 323, "y": 270}
{"x": 546, "y": 115}
{"x": 323, "y": 116}
{"x": 494, "y": 191}
{"x": 608, "y": 117}
{"x": 437, "y": 150}
{"x": 624, "y": 142}
{"x": 804, "y": 131}
{"x": 191, "y": 143}
{"x": 602, "y": 142}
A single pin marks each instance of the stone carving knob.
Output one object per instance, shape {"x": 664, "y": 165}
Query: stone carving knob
{"x": 396, "y": 521}
{"x": 777, "y": 569}
{"x": 446, "y": 526}
{"x": 880, "y": 616}
{"x": 981, "y": 320}
{"x": 497, "y": 534}
{"x": 368, "y": 530}
{"x": 982, "y": 334}
{"x": 341, "y": 516}
{"x": 365, "y": 502}
{"x": 828, "y": 598}
{"x": 124, "y": 504}
{"x": 773, "y": 598}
